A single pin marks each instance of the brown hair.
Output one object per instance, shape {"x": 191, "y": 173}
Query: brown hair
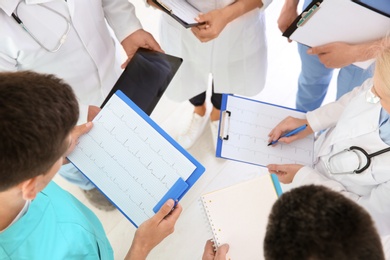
{"x": 37, "y": 113}
{"x": 314, "y": 222}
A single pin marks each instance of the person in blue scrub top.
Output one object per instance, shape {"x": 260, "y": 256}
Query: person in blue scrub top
{"x": 38, "y": 219}
{"x": 318, "y": 64}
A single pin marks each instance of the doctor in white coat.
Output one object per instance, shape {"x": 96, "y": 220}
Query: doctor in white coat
{"x": 231, "y": 45}
{"x": 71, "y": 39}
{"x": 360, "y": 119}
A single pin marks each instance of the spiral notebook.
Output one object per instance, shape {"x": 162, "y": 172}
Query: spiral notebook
{"x": 238, "y": 215}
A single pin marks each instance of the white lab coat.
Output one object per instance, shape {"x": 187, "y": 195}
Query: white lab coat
{"x": 89, "y": 60}
{"x": 237, "y": 58}
{"x": 352, "y": 121}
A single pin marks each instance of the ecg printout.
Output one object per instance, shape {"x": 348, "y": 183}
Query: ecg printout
{"x": 129, "y": 160}
{"x": 248, "y": 127}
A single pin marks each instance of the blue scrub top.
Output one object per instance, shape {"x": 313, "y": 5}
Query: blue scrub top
{"x": 56, "y": 226}
{"x": 382, "y": 5}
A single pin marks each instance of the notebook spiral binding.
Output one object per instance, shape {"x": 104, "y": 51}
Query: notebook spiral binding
{"x": 209, "y": 222}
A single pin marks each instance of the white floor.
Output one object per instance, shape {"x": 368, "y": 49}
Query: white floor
{"x": 283, "y": 70}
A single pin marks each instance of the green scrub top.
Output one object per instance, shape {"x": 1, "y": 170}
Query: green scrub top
{"x": 56, "y": 226}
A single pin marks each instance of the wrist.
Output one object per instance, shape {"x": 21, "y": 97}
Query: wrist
{"x": 366, "y": 51}
{"x": 138, "y": 251}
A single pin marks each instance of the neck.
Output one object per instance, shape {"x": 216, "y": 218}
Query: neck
{"x": 11, "y": 203}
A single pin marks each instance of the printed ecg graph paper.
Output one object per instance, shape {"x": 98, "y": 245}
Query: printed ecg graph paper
{"x": 129, "y": 160}
{"x": 249, "y": 125}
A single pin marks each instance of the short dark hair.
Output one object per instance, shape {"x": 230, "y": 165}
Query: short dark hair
{"x": 314, "y": 222}
{"x": 37, "y": 114}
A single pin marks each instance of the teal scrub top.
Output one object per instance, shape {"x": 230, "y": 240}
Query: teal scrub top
{"x": 56, "y": 226}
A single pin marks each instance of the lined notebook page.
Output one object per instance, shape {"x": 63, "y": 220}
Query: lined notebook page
{"x": 238, "y": 216}
{"x": 129, "y": 160}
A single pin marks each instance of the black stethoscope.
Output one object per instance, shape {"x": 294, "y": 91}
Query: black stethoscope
{"x": 366, "y": 155}
{"x": 62, "y": 39}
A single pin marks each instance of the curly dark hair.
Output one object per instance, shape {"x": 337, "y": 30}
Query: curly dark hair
{"x": 314, "y": 222}
{"x": 37, "y": 114}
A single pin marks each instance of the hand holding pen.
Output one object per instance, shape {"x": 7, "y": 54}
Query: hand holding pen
{"x": 291, "y": 127}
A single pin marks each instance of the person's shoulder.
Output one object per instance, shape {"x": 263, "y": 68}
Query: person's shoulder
{"x": 76, "y": 225}
{"x": 66, "y": 207}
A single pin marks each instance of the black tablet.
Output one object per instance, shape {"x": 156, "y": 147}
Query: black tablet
{"x": 146, "y": 78}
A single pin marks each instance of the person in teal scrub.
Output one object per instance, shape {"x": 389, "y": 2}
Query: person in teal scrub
{"x": 38, "y": 219}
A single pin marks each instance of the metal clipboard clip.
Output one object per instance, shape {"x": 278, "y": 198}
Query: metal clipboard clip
{"x": 306, "y": 15}
{"x": 225, "y": 125}
{"x": 169, "y": 10}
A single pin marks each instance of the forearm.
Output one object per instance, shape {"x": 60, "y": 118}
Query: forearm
{"x": 291, "y": 4}
{"x": 137, "y": 252}
{"x": 369, "y": 50}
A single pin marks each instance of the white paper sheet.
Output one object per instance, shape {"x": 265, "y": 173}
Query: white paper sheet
{"x": 344, "y": 21}
{"x": 248, "y": 127}
{"x": 129, "y": 160}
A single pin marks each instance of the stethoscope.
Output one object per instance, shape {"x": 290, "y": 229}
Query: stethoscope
{"x": 61, "y": 41}
{"x": 366, "y": 155}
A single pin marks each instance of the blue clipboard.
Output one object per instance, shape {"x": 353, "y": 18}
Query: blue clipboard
{"x": 180, "y": 187}
{"x": 251, "y": 146}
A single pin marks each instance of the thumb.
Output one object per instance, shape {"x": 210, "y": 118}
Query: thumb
{"x": 164, "y": 210}
{"x": 222, "y": 251}
{"x": 76, "y": 133}
{"x": 82, "y": 129}
{"x": 316, "y": 50}
{"x": 201, "y": 18}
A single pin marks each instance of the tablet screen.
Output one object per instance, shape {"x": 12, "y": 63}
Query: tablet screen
{"x": 146, "y": 78}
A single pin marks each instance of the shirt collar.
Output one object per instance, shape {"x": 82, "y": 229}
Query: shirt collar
{"x": 9, "y": 6}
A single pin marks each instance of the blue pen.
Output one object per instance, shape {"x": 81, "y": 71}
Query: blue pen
{"x": 293, "y": 132}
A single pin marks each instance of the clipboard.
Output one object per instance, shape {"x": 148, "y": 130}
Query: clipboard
{"x": 180, "y": 10}
{"x": 243, "y": 133}
{"x": 133, "y": 161}
{"x": 146, "y": 77}
{"x": 350, "y": 21}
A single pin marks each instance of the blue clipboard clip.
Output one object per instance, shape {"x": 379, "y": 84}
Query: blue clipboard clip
{"x": 309, "y": 13}
{"x": 224, "y": 125}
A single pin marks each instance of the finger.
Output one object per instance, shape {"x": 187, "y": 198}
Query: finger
{"x": 152, "y": 44}
{"x": 82, "y": 129}
{"x": 76, "y": 133}
{"x": 201, "y": 18}
{"x": 175, "y": 213}
{"x": 208, "y": 252}
{"x": 316, "y": 50}
{"x": 164, "y": 210}
{"x": 222, "y": 251}
{"x": 124, "y": 64}
{"x": 277, "y": 168}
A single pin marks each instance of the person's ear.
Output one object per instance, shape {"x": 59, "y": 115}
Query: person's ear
{"x": 29, "y": 188}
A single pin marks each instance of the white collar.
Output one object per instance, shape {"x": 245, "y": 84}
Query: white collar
{"x": 9, "y": 6}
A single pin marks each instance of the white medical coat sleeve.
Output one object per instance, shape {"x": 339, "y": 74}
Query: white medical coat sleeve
{"x": 328, "y": 115}
{"x": 265, "y": 4}
{"x": 7, "y": 63}
{"x": 376, "y": 202}
{"x": 120, "y": 15}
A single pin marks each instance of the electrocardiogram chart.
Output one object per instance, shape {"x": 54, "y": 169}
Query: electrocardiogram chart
{"x": 250, "y": 122}
{"x": 129, "y": 160}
